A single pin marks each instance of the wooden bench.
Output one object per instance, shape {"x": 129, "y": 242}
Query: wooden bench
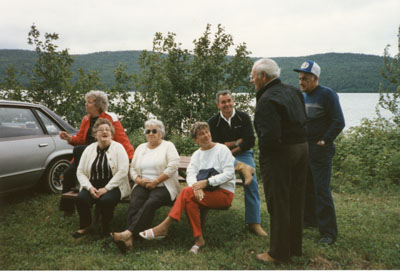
{"x": 183, "y": 164}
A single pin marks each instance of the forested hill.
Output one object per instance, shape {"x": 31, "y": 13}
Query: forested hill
{"x": 344, "y": 72}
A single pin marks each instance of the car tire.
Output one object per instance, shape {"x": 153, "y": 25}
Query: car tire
{"x": 52, "y": 180}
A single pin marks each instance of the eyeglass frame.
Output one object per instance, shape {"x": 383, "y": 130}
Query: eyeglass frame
{"x": 153, "y": 131}
{"x": 104, "y": 129}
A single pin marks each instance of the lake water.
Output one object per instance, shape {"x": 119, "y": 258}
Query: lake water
{"x": 356, "y": 106}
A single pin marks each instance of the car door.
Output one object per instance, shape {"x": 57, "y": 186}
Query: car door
{"x": 24, "y": 148}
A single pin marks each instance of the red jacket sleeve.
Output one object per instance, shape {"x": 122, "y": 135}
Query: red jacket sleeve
{"x": 121, "y": 137}
{"x": 80, "y": 137}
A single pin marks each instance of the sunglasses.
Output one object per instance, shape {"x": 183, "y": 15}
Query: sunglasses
{"x": 148, "y": 131}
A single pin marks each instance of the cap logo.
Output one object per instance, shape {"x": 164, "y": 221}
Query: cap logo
{"x": 305, "y": 65}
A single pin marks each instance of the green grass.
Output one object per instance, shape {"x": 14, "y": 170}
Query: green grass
{"x": 34, "y": 236}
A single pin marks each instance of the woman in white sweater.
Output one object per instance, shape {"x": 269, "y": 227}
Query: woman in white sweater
{"x": 213, "y": 190}
{"x": 103, "y": 177}
{"x": 154, "y": 169}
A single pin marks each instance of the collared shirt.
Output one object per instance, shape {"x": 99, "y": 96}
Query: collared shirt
{"x": 230, "y": 118}
{"x": 240, "y": 127}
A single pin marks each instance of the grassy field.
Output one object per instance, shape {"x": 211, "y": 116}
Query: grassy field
{"x": 34, "y": 236}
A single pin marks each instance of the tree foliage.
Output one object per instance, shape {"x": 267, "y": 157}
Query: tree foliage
{"x": 389, "y": 97}
{"x": 367, "y": 157}
{"x": 12, "y": 85}
{"x": 178, "y": 85}
{"x": 344, "y": 72}
{"x": 52, "y": 84}
{"x": 129, "y": 107}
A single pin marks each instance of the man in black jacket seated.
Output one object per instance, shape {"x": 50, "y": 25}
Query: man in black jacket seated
{"x": 234, "y": 129}
{"x": 280, "y": 122}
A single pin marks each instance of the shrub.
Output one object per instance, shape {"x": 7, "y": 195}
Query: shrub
{"x": 184, "y": 144}
{"x": 367, "y": 156}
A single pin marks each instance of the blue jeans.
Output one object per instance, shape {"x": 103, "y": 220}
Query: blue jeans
{"x": 251, "y": 195}
{"x": 319, "y": 208}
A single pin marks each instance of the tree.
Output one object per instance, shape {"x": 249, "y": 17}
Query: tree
{"x": 11, "y": 88}
{"x": 84, "y": 83}
{"x": 179, "y": 85}
{"x": 389, "y": 98}
{"x": 50, "y": 81}
{"x": 129, "y": 107}
{"x": 52, "y": 85}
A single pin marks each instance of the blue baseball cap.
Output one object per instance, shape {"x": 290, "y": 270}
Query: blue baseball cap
{"x": 310, "y": 67}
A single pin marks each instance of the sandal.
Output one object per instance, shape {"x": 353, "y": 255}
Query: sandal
{"x": 149, "y": 235}
{"x": 195, "y": 249}
{"x": 122, "y": 245}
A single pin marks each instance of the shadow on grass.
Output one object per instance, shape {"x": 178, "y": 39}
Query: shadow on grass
{"x": 16, "y": 197}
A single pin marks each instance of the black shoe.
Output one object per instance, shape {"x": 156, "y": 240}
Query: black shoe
{"x": 77, "y": 235}
{"x": 326, "y": 240}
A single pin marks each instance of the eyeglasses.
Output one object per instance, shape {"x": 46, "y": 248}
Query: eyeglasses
{"x": 148, "y": 131}
{"x": 104, "y": 129}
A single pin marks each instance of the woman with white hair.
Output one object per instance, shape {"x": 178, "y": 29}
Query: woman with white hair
{"x": 96, "y": 107}
{"x": 154, "y": 169}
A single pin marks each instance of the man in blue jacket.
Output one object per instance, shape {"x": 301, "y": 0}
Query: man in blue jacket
{"x": 324, "y": 123}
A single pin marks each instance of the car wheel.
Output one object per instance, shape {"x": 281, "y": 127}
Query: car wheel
{"x": 53, "y": 178}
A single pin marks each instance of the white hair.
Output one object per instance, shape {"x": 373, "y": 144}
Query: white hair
{"x": 156, "y": 123}
{"x": 267, "y": 66}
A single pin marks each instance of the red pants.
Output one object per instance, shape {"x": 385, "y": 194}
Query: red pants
{"x": 186, "y": 200}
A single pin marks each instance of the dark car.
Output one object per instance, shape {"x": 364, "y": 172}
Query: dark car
{"x": 31, "y": 152}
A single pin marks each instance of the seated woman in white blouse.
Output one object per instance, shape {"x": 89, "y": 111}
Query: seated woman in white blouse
{"x": 154, "y": 169}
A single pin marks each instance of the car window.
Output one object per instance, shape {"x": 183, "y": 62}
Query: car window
{"x": 51, "y": 127}
{"x": 18, "y": 122}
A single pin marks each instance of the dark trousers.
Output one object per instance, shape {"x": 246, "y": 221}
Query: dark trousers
{"x": 143, "y": 205}
{"x": 319, "y": 208}
{"x": 70, "y": 180}
{"x": 106, "y": 204}
{"x": 284, "y": 177}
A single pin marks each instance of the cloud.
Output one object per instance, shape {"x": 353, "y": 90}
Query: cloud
{"x": 269, "y": 28}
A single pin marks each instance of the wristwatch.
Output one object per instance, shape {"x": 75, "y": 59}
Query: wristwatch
{"x": 322, "y": 142}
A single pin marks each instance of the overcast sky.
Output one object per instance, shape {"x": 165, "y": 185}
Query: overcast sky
{"x": 269, "y": 28}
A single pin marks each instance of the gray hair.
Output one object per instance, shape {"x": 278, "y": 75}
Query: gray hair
{"x": 224, "y": 92}
{"x": 197, "y": 127}
{"x": 267, "y": 66}
{"x": 102, "y": 121}
{"x": 100, "y": 99}
{"x": 156, "y": 123}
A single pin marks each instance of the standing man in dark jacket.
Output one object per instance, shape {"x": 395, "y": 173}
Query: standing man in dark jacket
{"x": 234, "y": 129}
{"x": 280, "y": 122}
{"x": 324, "y": 123}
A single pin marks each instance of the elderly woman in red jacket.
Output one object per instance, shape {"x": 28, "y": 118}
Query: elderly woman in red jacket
{"x": 96, "y": 107}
